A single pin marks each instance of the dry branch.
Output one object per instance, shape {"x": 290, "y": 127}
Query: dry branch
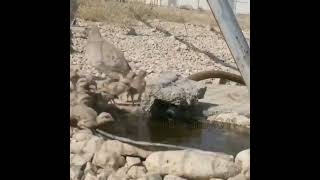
{"x": 216, "y": 74}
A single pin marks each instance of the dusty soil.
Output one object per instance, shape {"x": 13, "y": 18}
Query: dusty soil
{"x": 189, "y": 49}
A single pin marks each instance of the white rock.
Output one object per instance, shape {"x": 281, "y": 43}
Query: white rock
{"x": 86, "y": 131}
{"x": 124, "y": 149}
{"x": 132, "y": 161}
{"x": 76, "y": 147}
{"x": 115, "y": 177}
{"x": 77, "y": 160}
{"x": 238, "y": 177}
{"x": 243, "y": 159}
{"x": 82, "y": 136}
{"x": 120, "y": 36}
{"x": 75, "y": 172}
{"x": 150, "y": 42}
{"x": 247, "y": 174}
{"x": 104, "y": 173}
{"x": 105, "y": 159}
{"x": 90, "y": 176}
{"x": 138, "y": 65}
{"x": 172, "y": 37}
{"x": 231, "y": 118}
{"x": 87, "y": 156}
{"x": 173, "y": 177}
{"x": 183, "y": 46}
{"x": 191, "y": 164}
{"x": 71, "y": 131}
{"x": 177, "y": 48}
{"x": 136, "y": 172}
{"x": 93, "y": 145}
{"x": 90, "y": 168}
{"x": 151, "y": 176}
{"x": 122, "y": 172}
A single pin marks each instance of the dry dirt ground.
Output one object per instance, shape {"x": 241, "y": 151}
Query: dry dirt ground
{"x": 192, "y": 46}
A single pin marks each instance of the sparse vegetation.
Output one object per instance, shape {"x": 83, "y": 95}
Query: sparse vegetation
{"x": 127, "y": 13}
{"x": 112, "y": 11}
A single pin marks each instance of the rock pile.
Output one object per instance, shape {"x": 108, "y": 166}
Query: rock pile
{"x": 94, "y": 158}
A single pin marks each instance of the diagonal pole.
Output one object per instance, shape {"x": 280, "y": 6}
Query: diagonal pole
{"x": 233, "y": 35}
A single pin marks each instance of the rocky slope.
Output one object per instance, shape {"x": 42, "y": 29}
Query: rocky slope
{"x": 189, "y": 49}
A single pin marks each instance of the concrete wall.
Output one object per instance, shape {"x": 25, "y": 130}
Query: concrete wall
{"x": 242, "y": 7}
{"x": 239, "y": 6}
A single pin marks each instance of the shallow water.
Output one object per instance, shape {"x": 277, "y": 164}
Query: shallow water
{"x": 211, "y": 137}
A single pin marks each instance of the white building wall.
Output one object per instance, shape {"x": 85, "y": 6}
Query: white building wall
{"x": 242, "y": 7}
{"x": 239, "y": 6}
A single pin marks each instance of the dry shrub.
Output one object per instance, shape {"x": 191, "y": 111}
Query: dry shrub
{"x": 113, "y": 11}
{"x": 170, "y": 14}
{"x": 125, "y": 13}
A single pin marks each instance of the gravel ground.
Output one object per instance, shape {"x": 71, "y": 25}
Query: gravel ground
{"x": 156, "y": 52}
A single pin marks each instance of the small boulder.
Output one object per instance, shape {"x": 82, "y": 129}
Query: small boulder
{"x": 173, "y": 177}
{"x": 238, "y": 177}
{"x": 104, "y": 173}
{"x": 136, "y": 172}
{"x": 76, "y": 147}
{"x": 124, "y": 149}
{"x": 87, "y": 156}
{"x": 93, "y": 144}
{"x": 75, "y": 172}
{"x": 243, "y": 160}
{"x": 105, "y": 159}
{"x": 82, "y": 135}
{"x": 151, "y": 176}
{"x": 191, "y": 164}
{"x": 122, "y": 172}
{"x": 90, "y": 168}
{"x": 77, "y": 160}
{"x": 173, "y": 89}
{"x": 231, "y": 118}
{"x": 132, "y": 161}
{"x": 90, "y": 176}
{"x": 115, "y": 177}
{"x": 183, "y": 47}
{"x": 132, "y": 32}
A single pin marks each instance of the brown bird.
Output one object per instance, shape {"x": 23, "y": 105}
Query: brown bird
{"x": 104, "y": 56}
{"x": 137, "y": 86}
{"x": 112, "y": 90}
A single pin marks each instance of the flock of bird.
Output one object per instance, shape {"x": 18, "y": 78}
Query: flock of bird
{"x": 106, "y": 58}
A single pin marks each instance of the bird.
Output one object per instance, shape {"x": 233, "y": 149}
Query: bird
{"x": 104, "y": 56}
{"x": 137, "y": 86}
{"x": 112, "y": 90}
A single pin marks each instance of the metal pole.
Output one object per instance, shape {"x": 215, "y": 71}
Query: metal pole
{"x": 233, "y": 35}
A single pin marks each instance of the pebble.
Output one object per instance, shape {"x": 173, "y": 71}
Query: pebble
{"x": 156, "y": 52}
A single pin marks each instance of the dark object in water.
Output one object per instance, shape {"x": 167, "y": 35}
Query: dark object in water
{"x": 171, "y": 113}
{"x": 166, "y": 111}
